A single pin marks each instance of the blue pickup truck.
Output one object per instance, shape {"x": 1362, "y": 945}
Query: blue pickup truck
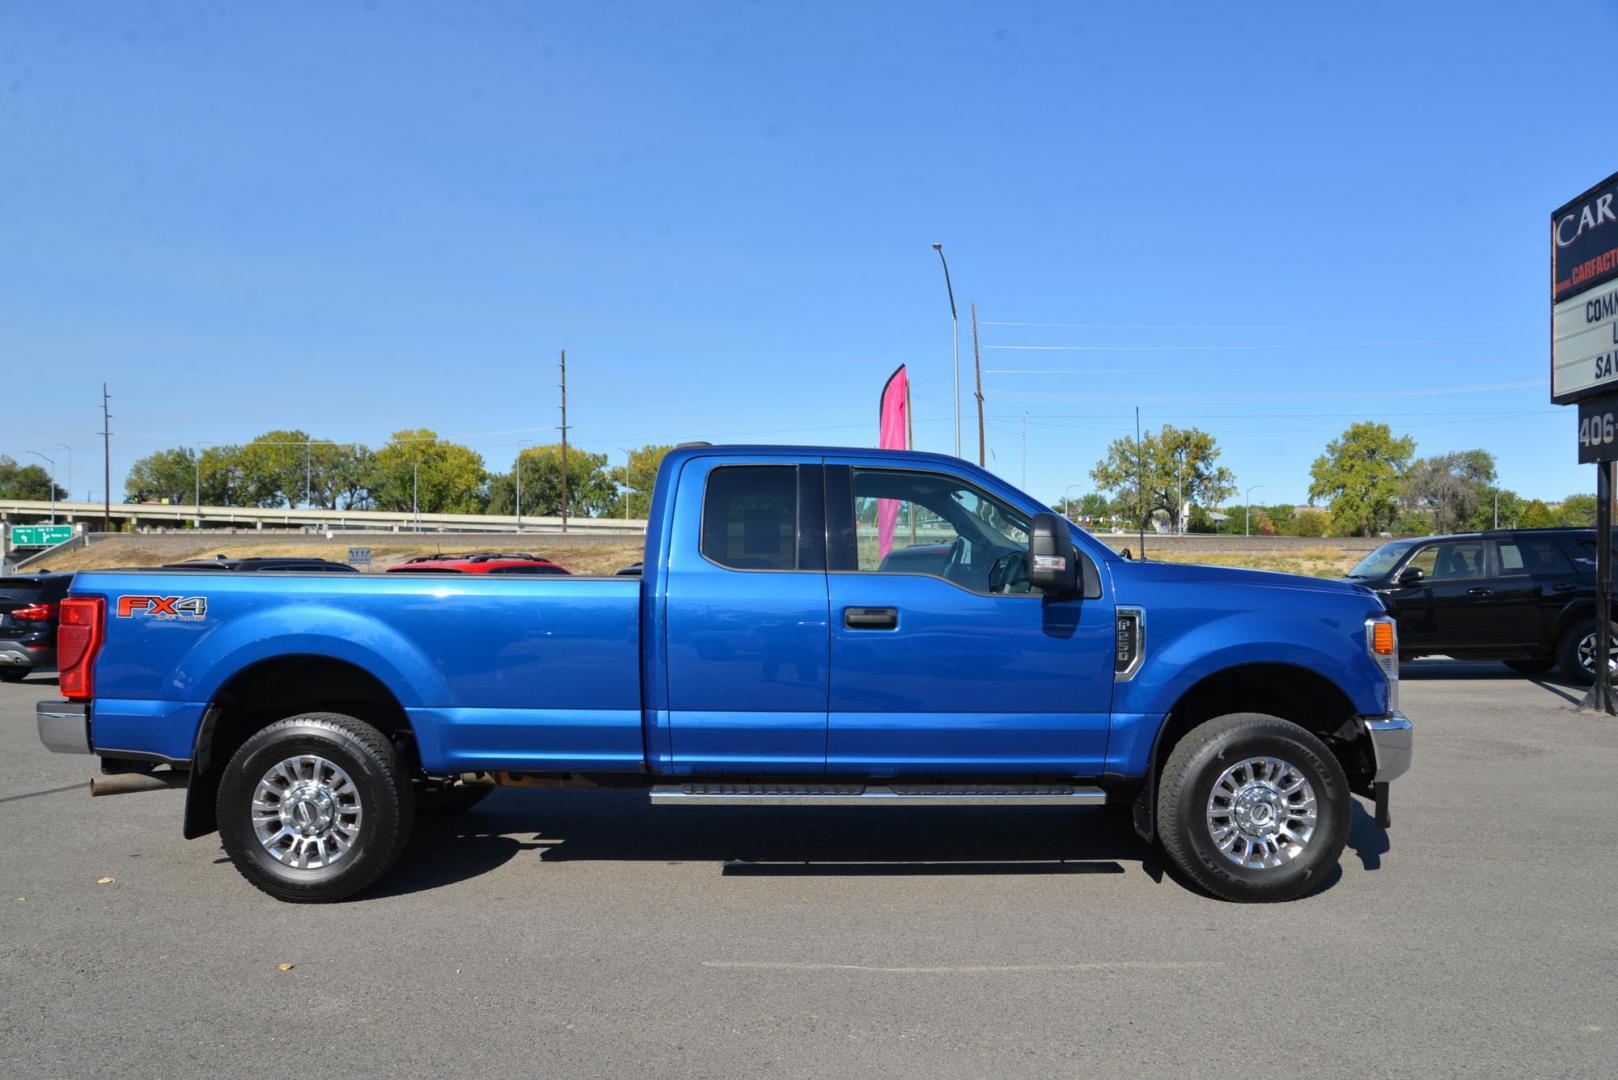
{"x": 813, "y": 627}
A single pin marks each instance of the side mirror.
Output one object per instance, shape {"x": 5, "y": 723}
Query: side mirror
{"x": 1053, "y": 566}
{"x": 1411, "y": 575}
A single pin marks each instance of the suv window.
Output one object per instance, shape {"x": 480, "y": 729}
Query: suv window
{"x": 1536, "y": 557}
{"x": 1458, "y": 560}
{"x": 927, "y": 523}
{"x": 750, "y": 517}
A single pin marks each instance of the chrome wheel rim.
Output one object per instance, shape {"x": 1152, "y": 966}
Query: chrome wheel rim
{"x": 1587, "y": 653}
{"x": 1261, "y": 813}
{"x": 306, "y": 812}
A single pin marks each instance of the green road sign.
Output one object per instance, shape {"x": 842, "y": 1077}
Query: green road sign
{"x": 40, "y": 535}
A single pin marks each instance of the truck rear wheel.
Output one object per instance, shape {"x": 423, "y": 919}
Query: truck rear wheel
{"x": 315, "y": 807}
{"x": 1253, "y": 808}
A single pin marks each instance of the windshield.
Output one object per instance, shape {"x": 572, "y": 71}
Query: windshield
{"x": 1380, "y": 561}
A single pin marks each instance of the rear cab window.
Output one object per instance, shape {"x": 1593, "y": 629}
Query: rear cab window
{"x": 750, "y": 517}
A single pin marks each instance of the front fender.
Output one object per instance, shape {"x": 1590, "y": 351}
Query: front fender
{"x": 1179, "y": 656}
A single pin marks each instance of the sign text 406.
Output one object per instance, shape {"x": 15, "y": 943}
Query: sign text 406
{"x": 1598, "y": 430}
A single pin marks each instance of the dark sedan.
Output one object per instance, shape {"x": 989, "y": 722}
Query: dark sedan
{"x": 29, "y": 606}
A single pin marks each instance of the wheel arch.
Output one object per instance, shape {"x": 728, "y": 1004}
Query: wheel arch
{"x": 1297, "y": 694}
{"x": 272, "y": 689}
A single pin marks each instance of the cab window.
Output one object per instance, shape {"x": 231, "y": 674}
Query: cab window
{"x": 750, "y": 517}
{"x": 1458, "y": 560}
{"x": 927, "y": 523}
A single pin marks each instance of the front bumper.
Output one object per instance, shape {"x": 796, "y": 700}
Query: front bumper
{"x": 1392, "y": 738}
{"x": 64, "y": 726}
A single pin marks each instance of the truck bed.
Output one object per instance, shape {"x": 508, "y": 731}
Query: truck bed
{"x": 493, "y": 671}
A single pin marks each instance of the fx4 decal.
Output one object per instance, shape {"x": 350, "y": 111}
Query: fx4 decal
{"x": 190, "y": 608}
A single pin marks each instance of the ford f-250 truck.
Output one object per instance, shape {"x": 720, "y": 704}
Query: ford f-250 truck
{"x": 813, "y": 627}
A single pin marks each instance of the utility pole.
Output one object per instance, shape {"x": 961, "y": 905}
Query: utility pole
{"x": 564, "y": 440}
{"x": 977, "y": 370}
{"x": 1140, "y": 484}
{"x": 106, "y": 461}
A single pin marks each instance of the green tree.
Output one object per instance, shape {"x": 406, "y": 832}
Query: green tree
{"x": 591, "y": 491}
{"x": 1577, "y": 510}
{"x": 1281, "y": 516}
{"x": 26, "y": 481}
{"x": 162, "y": 476}
{"x": 639, "y": 477}
{"x": 1199, "y": 520}
{"x": 1452, "y": 487}
{"x": 1536, "y": 514}
{"x": 1309, "y": 521}
{"x": 444, "y": 477}
{"x": 342, "y": 473}
{"x": 1179, "y": 466}
{"x": 273, "y": 468}
{"x": 1359, "y": 477}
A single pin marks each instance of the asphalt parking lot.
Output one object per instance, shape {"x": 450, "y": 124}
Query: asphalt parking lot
{"x": 587, "y": 934}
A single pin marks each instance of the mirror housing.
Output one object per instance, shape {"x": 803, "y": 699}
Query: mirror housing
{"x": 1053, "y": 565}
{"x": 1410, "y": 575}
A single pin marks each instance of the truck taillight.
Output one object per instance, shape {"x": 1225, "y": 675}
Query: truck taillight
{"x": 78, "y": 639}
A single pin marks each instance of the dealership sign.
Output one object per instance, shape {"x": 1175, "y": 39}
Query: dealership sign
{"x": 1584, "y": 295}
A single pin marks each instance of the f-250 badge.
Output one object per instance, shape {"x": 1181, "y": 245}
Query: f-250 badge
{"x": 188, "y": 608}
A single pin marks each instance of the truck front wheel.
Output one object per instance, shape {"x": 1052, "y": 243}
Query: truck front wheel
{"x": 315, "y": 807}
{"x": 1253, "y": 808}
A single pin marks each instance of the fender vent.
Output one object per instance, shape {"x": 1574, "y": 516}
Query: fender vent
{"x": 1130, "y": 643}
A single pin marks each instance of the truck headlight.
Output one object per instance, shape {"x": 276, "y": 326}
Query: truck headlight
{"x": 1382, "y": 643}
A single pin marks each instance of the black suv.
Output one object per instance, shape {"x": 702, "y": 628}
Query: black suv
{"x": 1525, "y": 596}
{"x": 29, "y": 612}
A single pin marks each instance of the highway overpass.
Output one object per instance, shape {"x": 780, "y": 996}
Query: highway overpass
{"x": 169, "y": 516}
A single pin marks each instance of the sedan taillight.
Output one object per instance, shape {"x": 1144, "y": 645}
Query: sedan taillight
{"x": 35, "y": 612}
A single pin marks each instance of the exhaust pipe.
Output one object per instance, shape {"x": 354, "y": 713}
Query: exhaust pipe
{"x": 128, "y": 783}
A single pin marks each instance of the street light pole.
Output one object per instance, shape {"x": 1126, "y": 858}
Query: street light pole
{"x": 42, "y": 457}
{"x": 629, "y": 459}
{"x": 1067, "y": 499}
{"x": 518, "y": 470}
{"x": 1247, "y": 514}
{"x": 415, "y": 492}
{"x": 69, "y": 450}
{"x": 955, "y": 329}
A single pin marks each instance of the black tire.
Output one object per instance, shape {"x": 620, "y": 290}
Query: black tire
{"x": 14, "y": 673}
{"x": 386, "y": 805}
{"x": 1567, "y": 651}
{"x": 1530, "y": 667}
{"x": 439, "y": 802}
{"x": 1189, "y": 776}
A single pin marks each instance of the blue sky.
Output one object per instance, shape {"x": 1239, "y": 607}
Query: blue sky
{"x": 1268, "y": 221}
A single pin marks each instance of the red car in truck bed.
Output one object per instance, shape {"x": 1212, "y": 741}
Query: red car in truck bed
{"x": 478, "y": 562}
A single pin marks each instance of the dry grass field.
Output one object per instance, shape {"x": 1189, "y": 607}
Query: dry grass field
{"x": 592, "y": 559}
{"x": 1325, "y": 560}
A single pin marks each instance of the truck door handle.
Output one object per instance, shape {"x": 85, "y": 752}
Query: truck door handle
{"x": 871, "y": 618}
{"x": 1479, "y": 590}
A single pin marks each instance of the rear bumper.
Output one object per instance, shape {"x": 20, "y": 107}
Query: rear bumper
{"x": 16, "y": 654}
{"x": 64, "y": 726}
{"x": 1393, "y": 739}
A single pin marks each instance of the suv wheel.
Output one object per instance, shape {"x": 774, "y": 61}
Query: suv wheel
{"x": 1253, "y": 808}
{"x": 1576, "y": 654}
{"x": 315, "y": 807}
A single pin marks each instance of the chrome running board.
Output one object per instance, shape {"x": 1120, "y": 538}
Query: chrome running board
{"x": 721, "y": 794}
